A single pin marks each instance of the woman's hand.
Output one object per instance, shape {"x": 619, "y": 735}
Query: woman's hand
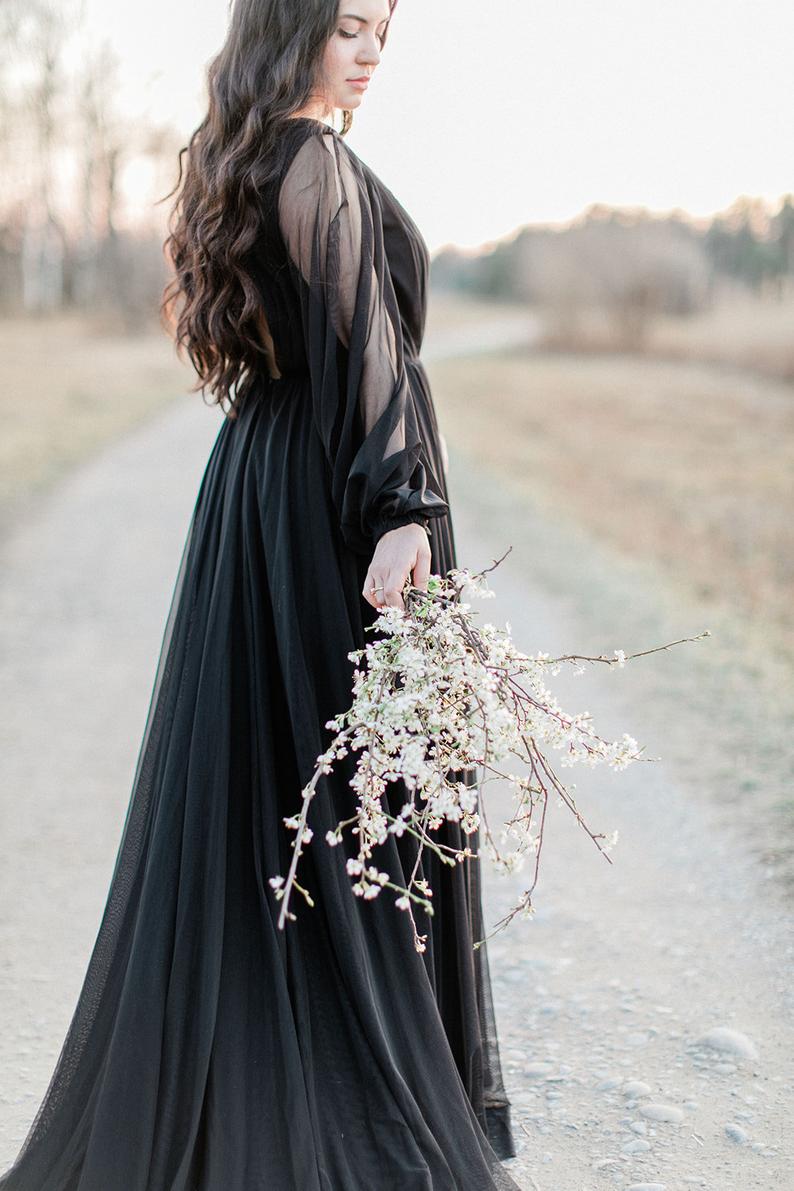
{"x": 399, "y": 553}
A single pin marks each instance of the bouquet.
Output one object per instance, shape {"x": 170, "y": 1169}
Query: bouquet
{"x": 438, "y": 696}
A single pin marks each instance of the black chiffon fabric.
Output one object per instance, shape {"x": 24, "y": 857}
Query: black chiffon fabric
{"x": 210, "y": 1051}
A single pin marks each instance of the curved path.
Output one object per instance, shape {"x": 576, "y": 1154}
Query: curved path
{"x": 602, "y": 997}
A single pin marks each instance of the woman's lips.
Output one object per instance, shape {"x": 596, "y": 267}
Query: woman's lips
{"x": 359, "y": 82}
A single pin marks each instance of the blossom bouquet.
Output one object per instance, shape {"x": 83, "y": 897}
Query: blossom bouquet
{"x": 438, "y": 696}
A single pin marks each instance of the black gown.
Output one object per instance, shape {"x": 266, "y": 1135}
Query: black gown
{"x": 210, "y": 1051}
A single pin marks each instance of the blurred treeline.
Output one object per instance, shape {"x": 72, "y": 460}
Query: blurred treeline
{"x": 70, "y": 239}
{"x": 634, "y": 268}
{"x": 73, "y": 239}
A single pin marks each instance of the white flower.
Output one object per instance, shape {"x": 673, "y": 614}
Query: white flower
{"x": 436, "y": 696}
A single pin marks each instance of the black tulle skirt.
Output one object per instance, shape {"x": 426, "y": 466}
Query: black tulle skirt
{"x": 210, "y": 1051}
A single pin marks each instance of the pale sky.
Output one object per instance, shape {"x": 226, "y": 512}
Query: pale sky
{"x": 488, "y": 114}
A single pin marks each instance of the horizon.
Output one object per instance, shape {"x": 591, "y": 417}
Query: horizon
{"x": 622, "y": 136}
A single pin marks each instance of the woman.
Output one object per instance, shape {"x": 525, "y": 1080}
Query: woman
{"x": 210, "y": 1051}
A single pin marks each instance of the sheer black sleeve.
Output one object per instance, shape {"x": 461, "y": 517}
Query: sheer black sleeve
{"x": 331, "y": 223}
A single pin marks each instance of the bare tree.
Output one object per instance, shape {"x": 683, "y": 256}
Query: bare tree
{"x": 40, "y": 30}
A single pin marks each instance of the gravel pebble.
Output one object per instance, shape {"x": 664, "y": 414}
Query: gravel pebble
{"x": 662, "y": 1112}
{"x": 636, "y": 1087}
{"x": 723, "y": 1038}
{"x": 637, "y": 1146}
{"x": 536, "y": 1070}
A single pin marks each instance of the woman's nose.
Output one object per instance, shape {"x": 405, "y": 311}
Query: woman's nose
{"x": 369, "y": 54}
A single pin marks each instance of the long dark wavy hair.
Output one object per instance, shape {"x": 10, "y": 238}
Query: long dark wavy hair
{"x": 267, "y": 69}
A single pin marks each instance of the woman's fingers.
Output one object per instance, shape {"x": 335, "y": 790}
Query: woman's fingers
{"x": 395, "y": 581}
{"x": 373, "y": 589}
{"x": 388, "y": 590}
{"x": 422, "y": 570}
{"x": 399, "y": 554}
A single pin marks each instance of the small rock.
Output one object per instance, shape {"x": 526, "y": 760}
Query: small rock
{"x": 647, "y": 1187}
{"x": 736, "y": 1133}
{"x": 662, "y": 1112}
{"x": 635, "y": 1087}
{"x": 757, "y": 1145}
{"x": 725, "y": 1068}
{"x": 637, "y": 1146}
{"x": 691, "y": 1105}
{"x": 638, "y": 1127}
{"x": 606, "y": 1085}
{"x": 729, "y": 1041}
{"x": 536, "y": 1070}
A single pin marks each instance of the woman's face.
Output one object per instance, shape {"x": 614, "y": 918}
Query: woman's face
{"x": 353, "y": 51}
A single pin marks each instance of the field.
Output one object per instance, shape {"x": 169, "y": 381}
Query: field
{"x": 684, "y": 462}
{"x": 67, "y": 391}
{"x": 688, "y": 465}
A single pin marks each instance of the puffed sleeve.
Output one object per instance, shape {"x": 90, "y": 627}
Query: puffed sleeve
{"x": 331, "y": 224}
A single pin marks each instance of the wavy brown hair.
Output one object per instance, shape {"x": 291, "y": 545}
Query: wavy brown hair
{"x": 268, "y": 69}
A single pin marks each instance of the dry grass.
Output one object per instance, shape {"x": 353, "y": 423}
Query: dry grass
{"x": 751, "y": 333}
{"x": 68, "y": 390}
{"x": 73, "y": 385}
{"x": 740, "y": 330}
{"x": 449, "y": 311}
{"x": 686, "y": 464}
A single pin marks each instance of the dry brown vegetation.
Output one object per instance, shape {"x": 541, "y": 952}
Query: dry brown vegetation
{"x": 68, "y": 390}
{"x": 686, "y": 463}
{"x": 689, "y": 465}
{"x": 749, "y": 332}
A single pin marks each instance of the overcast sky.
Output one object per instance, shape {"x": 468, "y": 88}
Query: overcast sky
{"x": 487, "y": 114}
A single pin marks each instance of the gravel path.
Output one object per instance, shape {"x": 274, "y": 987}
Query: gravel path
{"x": 644, "y": 1012}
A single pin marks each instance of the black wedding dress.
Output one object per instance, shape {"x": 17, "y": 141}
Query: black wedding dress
{"x": 210, "y": 1051}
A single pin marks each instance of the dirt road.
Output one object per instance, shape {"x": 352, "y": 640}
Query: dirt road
{"x": 609, "y": 999}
